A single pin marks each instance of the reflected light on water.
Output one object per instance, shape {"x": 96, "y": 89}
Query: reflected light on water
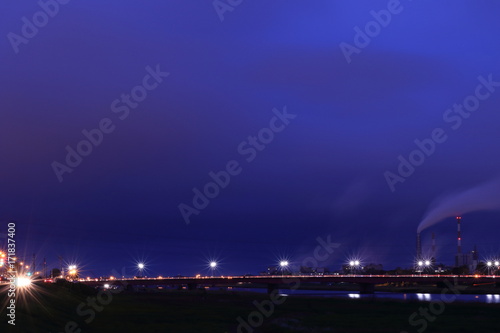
{"x": 424, "y": 297}
{"x": 492, "y": 298}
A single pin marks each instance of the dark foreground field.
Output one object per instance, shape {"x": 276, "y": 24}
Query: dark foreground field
{"x": 55, "y": 310}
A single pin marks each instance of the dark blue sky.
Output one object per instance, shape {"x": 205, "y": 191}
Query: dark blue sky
{"x": 323, "y": 174}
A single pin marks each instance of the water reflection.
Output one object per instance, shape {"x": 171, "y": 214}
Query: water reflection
{"x": 423, "y": 297}
{"x": 492, "y": 298}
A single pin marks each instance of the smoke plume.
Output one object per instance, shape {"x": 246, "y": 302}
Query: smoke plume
{"x": 482, "y": 197}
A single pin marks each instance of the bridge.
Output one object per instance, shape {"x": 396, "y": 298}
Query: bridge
{"x": 366, "y": 282}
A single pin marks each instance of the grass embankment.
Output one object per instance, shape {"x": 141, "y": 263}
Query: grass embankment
{"x": 217, "y": 311}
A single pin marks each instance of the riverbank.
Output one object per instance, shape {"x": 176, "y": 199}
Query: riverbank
{"x": 221, "y": 311}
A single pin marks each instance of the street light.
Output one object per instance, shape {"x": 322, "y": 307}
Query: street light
{"x": 497, "y": 266}
{"x": 213, "y": 267}
{"x": 354, "y": 264}
{"x": 141, "y": 267}
{"x": 283, "y": 266}
{"x": 489, "y": 264}
{"x": 72, "y": 271}
{"x": 420, "y": 265}
{"x": 23, "y": 282}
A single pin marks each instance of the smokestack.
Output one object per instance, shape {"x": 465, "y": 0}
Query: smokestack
{"x": 433, "y": 245}
{"x": 459, "y": 240}
{"x": 419, "y": 247}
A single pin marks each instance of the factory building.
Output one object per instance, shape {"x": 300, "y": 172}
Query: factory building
{"x": 470, "y": 259}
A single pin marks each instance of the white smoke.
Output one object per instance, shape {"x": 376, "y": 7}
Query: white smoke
{"x": 482, "y": 197}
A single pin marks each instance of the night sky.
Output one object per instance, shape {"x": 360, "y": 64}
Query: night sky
{"x": 349, "y": 107}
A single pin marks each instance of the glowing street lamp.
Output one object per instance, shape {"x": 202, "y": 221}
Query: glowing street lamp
{"x": 496, "y": 266}
{"x": 72, "y": 271}
{"x": 354, "y": 265}
{"x": 213, "y": 266}
{"x": 427, "y": 264}
{"x": 422, "y": 265}
{"x": 489, "y": 264}
{"x": 283, "y": 266}
{"x": 23, "y": 282}
{"x": 141, "y": 267}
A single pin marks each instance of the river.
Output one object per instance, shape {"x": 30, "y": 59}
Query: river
{"x": 424, "y": 297}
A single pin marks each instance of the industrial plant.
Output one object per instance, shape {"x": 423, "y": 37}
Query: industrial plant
{"x": 468, "y": 259}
